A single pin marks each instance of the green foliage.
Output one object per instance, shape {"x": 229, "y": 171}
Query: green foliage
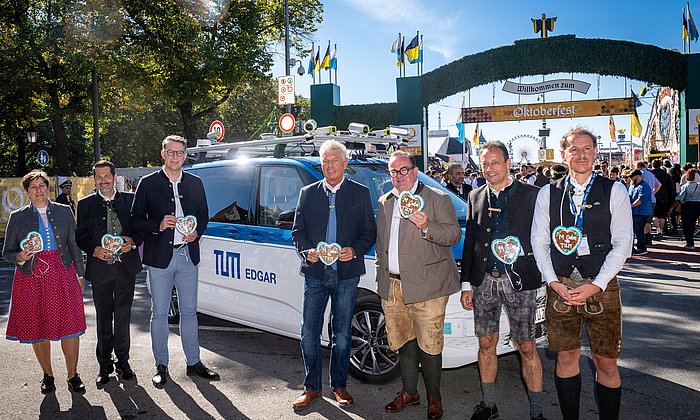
{"x": 377, "y": 116}
{"x": 553, "y": 55}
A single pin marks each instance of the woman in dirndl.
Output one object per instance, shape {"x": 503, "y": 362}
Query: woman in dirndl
{"x": 47, "y": 300}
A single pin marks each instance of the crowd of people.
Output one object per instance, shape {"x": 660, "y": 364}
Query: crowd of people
{"x": 524, "y": 227}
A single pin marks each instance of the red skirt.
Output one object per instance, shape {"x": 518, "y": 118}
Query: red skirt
{"x": 47, "y": 304}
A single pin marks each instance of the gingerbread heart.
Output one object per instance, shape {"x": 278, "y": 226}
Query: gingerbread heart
{"x": 410, "y": 203}
{"x": 328, "y": 253}
{"x": 567, "y": 239}
{"x": 506, "y": 250}
{"x": 112, "y": 243}
{"x": 33, "y": 242}
{"x": 186, "y": 225}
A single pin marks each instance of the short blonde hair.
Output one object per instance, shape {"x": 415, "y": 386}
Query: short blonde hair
{"x": 178, "y": 139}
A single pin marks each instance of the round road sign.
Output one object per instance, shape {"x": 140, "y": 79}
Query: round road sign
{"x": 42, "y": 157}
{"x": 287, "y": 123}
{"x": 217, "y": 130}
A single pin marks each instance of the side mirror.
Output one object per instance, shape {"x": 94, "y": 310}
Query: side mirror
{"x": 286, "y": 219}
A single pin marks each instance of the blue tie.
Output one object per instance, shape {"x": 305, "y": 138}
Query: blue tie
{"x": 332, "y": 228}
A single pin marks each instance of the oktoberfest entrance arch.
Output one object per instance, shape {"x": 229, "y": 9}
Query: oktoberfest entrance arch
{"x": 529, "y": 57}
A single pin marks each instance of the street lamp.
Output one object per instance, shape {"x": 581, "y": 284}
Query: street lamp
{"x": 31, "y": 135}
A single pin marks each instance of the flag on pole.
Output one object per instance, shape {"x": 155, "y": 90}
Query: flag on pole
{"x": 685, "y": 26}
{"x": 692, "y": 29}
{"x": 420, "y": 50}
{"x": 399, "y": 55}
{"x": 637, "y": 102}
{"x": 412, "y": 50}
{"x": 611, "y": 128}
{"x": 317, "y": 61}
{"x": 334, "y": 60}
{"x": 460, "y": 124}
{"x": 475, "y": 138}
{"x": 312, "y": 67}
{"x": 326, "y": 63}
{"x": 636, "y": 125}
{"x": 395, "y": 46}
{"x": 643, "y": 90}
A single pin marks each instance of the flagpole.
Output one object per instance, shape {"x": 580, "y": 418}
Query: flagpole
{"x": 400, "y": 52}
{"x": 688, "y": 5}
{"x": 418, "y": 66}
{"x": 422, "y": 56}
{"x": 313, "y": 70}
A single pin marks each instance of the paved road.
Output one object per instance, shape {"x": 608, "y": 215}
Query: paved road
{"x": 262, "y": 372}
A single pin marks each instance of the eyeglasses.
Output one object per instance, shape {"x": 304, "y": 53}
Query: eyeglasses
{"x": 401, "y": 171}
{"x": 178, "y": 153}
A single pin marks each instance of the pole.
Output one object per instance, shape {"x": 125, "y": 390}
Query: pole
{"x": 335, "y": 51}
{"x": 95, "y": 120}
{"x": 288, "y": 107}
{"x": 313, "y": 72}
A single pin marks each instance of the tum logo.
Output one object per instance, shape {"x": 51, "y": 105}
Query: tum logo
{"x": 228, "y": 264}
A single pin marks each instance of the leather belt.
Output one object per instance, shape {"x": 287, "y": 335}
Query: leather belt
{"x": 495, "y": 274}
{"x": 394, "y": 276}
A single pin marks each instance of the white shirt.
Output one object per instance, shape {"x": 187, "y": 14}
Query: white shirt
{"x": 332, "y": 189}
{"x": 177, "y": 239}
{"x": 394, "y": 232}
{"x": 621, "y": 233}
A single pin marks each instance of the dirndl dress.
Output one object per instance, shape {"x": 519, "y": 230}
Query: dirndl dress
{"x": 46, "y": 304}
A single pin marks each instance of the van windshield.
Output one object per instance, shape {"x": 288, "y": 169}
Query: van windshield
{"x": 376, "y": 178}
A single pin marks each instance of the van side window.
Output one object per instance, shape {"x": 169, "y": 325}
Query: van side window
{"x": 279, "y": 192}
{"x": 229, "y": 191}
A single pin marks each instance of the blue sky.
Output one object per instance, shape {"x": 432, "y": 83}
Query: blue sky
{"x": 365, "y": 29}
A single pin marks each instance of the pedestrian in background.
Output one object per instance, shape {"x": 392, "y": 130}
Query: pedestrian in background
{"x": 65, "y": 197}
{"x": 640, "y": 200}
{"x": 170, "y": 255}
{"x": 335, "y": 210}
{"x": 111, "y": 271}
{"x": 47, "y": 300}
{"x": 689, "y": 200}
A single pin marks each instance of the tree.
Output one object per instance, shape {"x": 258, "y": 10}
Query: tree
{"x": 195, "y": 58}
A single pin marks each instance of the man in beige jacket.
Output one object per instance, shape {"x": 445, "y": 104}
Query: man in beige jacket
{"x": 416, "y": 274}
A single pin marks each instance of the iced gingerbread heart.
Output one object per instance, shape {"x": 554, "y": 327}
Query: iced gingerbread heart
{"x": 328, "y": 253}
{"x": 186, "y": 225}
{"x": 112, "y": 243}
{"x": 32, "y": 242}
{"x": 567, "y": 239}
{"x": 410, "y": 203}
{"x": 506, "y": 250}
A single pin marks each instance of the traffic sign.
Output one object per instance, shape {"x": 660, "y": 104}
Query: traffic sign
{"x": 42, "y": 157}
{"x": 216, "y": 129}
{"x": 287, "y": 123}
{"x": 286, "y": 90}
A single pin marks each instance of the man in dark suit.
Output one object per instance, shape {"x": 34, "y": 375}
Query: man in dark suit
{"x": 502, "y": 209}
{"x": 112, "y": 272}
{"x": 455, "y": 181}
{"x": 333, "y": 210}
{"x": 171, "y": 255}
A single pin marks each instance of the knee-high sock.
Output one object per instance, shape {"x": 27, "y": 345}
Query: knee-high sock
{"x": 408, "y": 361}
{"x": 569, "y": 393}
{"x": 608, "y": 400}
{"x": 432, "y": 371}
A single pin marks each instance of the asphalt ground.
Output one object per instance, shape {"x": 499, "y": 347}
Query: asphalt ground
{"x": 262, "y": 372}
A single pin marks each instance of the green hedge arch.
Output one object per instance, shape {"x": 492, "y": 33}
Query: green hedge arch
{"x": 557, "y": 54}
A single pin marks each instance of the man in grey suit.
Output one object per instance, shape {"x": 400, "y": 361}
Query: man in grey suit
{"x": 416, "y": 274}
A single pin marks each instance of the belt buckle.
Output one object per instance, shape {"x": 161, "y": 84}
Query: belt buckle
{"x": 495, "y": 274}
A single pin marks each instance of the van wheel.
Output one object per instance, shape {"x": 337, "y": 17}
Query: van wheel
{"x": 371, "y": 359}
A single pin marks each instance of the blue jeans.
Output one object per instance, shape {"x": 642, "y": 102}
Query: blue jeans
{"x": 316, "y": 293}
{"x": 183, "y": 274}
{"x": 638, "y": 222}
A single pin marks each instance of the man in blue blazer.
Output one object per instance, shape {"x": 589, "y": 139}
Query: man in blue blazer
{"x": 336, "y": 211}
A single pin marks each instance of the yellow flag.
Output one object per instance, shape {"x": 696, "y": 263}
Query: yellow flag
{"x": 636, "y": 126}
{"x": 611, "y": 128}
{"x": 475, "y": 138}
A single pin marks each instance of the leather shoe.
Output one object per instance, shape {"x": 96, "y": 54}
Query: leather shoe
{"x": 161, "y": 376}
{"x": 402, "y": 400}
{"x": 434, "y": 407}
{"x": 305, "y": 399}
{"x": 200, "y": 370}
{"x": 47, "y": 384}
{"x": 342, "y": 396}
{"x": 125, "y": 371}
{"x": 76, "y": 384}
